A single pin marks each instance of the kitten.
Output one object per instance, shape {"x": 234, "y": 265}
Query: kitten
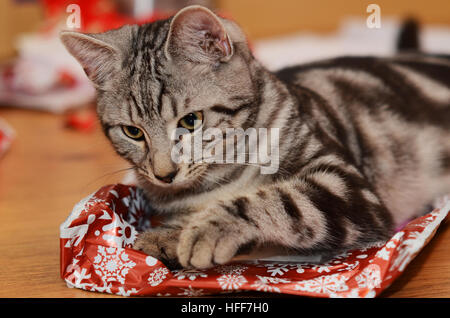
{"x": 364, "y": 142}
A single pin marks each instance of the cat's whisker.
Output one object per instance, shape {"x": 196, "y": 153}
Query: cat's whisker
{"x": 211, "y": 179}
{"x": 108, "y": 175}
{"x": 214, "y": 178}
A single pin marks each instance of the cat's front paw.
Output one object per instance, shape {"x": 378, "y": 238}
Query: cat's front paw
{"x": 211, "y": 241}
{"x": 161, "y": 244}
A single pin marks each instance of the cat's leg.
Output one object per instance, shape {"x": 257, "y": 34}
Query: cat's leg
{"x": 161, "y": 243}
{"x": 327, "y": 210}
{"x": 216, "y": 234}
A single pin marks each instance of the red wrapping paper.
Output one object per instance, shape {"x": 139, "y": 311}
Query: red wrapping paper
{"x": 96, "y": 255}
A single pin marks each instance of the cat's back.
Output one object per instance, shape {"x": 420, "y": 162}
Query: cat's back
{"x": 432, "y": 66}
{"x": 394, "y": 117}
{"x": 414, "y": 86}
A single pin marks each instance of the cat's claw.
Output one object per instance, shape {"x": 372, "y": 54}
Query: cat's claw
{"x": 160, "y": 244}
{"x": 209, "y": 243}
{"x": 204, "y": 247}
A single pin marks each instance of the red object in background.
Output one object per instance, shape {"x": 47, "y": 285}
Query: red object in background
{"x": 84, "y": 120}
{"x": 66, "y": 79}
{"x": 96, "y": 15}
{"x": 96, "y": 255}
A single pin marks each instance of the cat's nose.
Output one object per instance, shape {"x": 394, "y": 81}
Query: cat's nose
{"x": 167, "y": 178}
{"x": 164, "y": 169}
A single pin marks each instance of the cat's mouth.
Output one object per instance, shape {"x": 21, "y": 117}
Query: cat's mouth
{"x": 180, "y": 184}
{"x": 172, "y": 184}
{"x": 163, "y": 192}
{"x": 163, "y": 185}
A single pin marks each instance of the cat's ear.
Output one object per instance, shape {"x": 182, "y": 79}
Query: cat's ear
{"x": 198, "y": 35}
{"x": 98, "y": 59}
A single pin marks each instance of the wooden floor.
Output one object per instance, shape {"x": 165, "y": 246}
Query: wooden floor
{"x": 50, "y": 168}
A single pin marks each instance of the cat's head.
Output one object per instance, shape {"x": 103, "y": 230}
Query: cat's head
{"x": 189, "y": 71}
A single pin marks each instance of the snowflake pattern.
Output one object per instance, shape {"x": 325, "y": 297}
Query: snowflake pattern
{"x": 299, "y": 268}
{"x": 265, "y": 284}
{"x": 190, "y": 274}
{"x": 118, "y": 232}
{"x": 137, "y": 205}
{"x": 106, "y": 288}
{"x": 93, "y": 202}
{"x": 79, "y": 276}
{"x": 324, "y": 268}
{"x": 275, "y": 269}
{"x": 370, "y": 277}
{"x": 127, "y": 293}
{"x": 158, "y": 276}
{"x": 338, "y": 259}
{"x": 383, "y": 253}
{"x": 323, "y": 284}
{"x": 348, "y": 267}
{"x": 112, "y": 264}
{"x": 191, "y": 292}
{"x": 230, "y": 282}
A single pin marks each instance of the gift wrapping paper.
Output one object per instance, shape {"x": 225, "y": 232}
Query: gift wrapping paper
{"x": 96, "y": 255}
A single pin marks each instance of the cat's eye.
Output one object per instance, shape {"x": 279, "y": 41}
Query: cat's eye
{"x": 133, "y": 132}
{"x": 191, "y": 121}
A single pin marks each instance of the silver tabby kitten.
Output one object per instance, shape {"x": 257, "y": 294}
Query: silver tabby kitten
{"x": 364, "y": 142}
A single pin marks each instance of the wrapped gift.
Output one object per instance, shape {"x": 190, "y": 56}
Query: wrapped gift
{"x": 96, "y": 255}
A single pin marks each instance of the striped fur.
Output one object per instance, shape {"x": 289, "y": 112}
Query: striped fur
{"x": 364, "y": 141}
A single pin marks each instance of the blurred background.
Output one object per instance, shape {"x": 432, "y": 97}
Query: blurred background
{"x": 37, "y": 72}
